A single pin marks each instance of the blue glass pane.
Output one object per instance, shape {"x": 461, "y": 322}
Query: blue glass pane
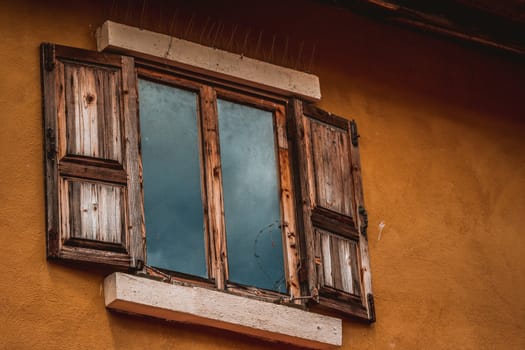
{"x": 251, "y": 202}
{"x": 172, "y": 188}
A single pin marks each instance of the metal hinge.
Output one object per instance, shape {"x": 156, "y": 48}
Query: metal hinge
{"x": 51, "y": 139}
{"x": 371, "y": 308}
{"x": 354, "y": 133}
{"x": 364, "y": 220}
{"x": 49, "y": 56}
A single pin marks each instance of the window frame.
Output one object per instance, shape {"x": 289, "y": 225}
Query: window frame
{"x": 208, "y": 91}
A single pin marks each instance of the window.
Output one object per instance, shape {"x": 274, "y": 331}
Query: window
{"x": 171, "y": 172}
{"x": 211, "y": 161}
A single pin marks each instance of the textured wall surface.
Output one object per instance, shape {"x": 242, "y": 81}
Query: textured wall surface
{"x": 442, "y": 140}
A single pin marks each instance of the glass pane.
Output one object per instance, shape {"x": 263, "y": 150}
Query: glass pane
{"x": 251, "y": 202}
{"x": 172, "y": 188}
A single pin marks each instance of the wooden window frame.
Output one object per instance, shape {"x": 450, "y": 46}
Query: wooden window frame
{"x": 208, "y": 91}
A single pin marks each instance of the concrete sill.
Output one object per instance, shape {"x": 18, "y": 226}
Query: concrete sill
{"x": 138, "y": 295}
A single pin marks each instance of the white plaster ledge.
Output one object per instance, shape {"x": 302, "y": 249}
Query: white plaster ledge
{"x": 217, "y": 309}
{"x": 215, "y": 62}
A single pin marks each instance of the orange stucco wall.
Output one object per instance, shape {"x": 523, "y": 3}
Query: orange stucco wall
{"x": 442, "y": 140}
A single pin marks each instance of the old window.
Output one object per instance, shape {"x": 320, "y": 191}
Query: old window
{"x": 208, "y": 151}
{"x": 169, "y": 172}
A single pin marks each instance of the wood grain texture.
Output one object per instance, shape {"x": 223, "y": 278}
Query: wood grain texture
{"x": 92, "y": 97}
{"x": 334, "y": 222}
{"x": 326, "y": 259}
{"x": 318, "y": 114}
{"x": 90, "y": 252}
{"x": 92, "y": 176}
{"x": 355, "y": 263}
{"x": 363, "y": 254}
{"x": 347, "y": 253}
{"x": 96, "y": 211}
{"x": 93, "y": 171}
{"x": 60, "y": 108}
{"x": 345, "y": 264}
{"x": 162, "y": 70}
{"x": 340, "y": 303}
{"x": 304, "y": 196}
{"x": 337, "y": 274}
{"x": 136, "y": 228}
{"x": 214, "y": 209}
{"x": 100, "y": 59}
{"x": 338, "y": 261}
{"x": 49, "y": 107}
{"x": 331, "y": 168}
{"x": 288, "y": 227}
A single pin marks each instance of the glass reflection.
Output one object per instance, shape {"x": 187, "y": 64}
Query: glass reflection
{"x": 171, "y": 171}
{"x": 250, "y": 190}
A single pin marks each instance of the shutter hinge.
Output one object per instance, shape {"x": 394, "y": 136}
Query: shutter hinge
{"x": 51, "y": 139}
{"x": 354, "y": 133}
{"x": 49, "y": 56}
{"x": 364, "y": 220}
{"x": 371, "y": 308}
{"x": 303, "y": 275}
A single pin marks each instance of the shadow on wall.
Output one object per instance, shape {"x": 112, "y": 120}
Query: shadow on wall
{"x": 128, "y": 329}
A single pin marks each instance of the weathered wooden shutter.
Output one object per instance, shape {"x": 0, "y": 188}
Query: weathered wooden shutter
{"x": 93, "y": 184}
{"x": 333, "y": 219}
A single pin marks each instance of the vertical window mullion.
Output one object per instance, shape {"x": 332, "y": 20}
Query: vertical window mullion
{"x": 213, "y": 181}
{"x": 290, "y": 239}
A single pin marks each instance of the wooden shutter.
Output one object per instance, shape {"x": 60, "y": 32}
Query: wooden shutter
{"x": 332, "y": 216}
{"x": 93, "y": 182}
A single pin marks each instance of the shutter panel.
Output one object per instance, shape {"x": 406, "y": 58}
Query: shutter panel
{"x": 333, "y": 220}
{"x": 93, "y": 182}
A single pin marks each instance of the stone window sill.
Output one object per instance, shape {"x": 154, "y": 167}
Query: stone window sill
{"x": 197, "y": 305}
